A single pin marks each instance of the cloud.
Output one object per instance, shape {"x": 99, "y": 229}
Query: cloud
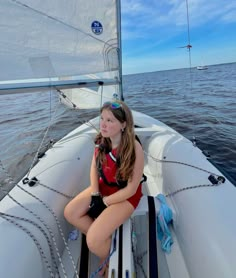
{"x": 149, "y": 15}
{"x": 150, "y": 27}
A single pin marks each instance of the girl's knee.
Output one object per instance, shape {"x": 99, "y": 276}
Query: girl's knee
{"x": 67, "y": 212}
{"x": 98, "y": 244}
{"x": 70, "y": 213}
{"x": 93, "y": 241}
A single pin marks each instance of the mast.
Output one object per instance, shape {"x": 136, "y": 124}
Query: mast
{"x": 119, "y": 50}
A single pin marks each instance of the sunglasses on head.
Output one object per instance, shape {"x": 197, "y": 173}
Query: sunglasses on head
{"x": 113, "y": 105}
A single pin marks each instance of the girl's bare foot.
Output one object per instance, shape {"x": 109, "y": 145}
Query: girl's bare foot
{"x": 104, "y": 270}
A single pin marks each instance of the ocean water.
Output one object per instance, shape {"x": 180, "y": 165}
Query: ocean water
{"x": 193, "y": 102}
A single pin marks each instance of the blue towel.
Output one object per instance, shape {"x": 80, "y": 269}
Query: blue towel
{"x": 73, "y": 235}
{"x": 164, "y": 217}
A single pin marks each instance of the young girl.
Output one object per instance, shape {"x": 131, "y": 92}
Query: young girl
{"x": 115, "y": 176}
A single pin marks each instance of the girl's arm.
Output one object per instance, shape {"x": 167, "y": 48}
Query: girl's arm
{"x": 131, "y": 188}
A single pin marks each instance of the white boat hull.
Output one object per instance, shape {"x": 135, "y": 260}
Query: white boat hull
{"x": 202, "y": 67}
{"x": 204, "y": 224}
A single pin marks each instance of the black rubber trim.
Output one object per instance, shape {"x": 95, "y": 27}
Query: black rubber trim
{"x": 120, "y": 254}
{"x": 83, "y": 269}
{"x": 153, "y": 266}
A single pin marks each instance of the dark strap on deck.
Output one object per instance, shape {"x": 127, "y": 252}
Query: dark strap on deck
{"x": 84, "y": 256}
{"x": 153, "y": 266}
{"x": 120, "y": 254}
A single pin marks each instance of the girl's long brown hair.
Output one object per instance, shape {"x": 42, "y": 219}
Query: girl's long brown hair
{"x": 126, "y": 149}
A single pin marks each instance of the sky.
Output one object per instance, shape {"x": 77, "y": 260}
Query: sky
{"x": 153, "y": 32}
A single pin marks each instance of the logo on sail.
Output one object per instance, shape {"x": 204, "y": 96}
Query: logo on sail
{"x": 96, "y": 27}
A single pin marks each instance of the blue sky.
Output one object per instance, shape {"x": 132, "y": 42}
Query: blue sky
{"x": 153, "y": 31}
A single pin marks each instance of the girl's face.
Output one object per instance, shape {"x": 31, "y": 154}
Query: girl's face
{"x": 109, "y": 125}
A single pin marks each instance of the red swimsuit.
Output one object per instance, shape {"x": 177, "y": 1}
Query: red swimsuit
{"x": 109, "y": 170}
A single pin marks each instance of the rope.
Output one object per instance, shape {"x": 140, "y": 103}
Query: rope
{"x": 181, "y": 163}
{"x": 56, "y": 191}
{"x": 58, "y": 225}
{"x": 47, "y": 227}
{"x": 43, "y": 256}
{"x": 188, "y": 165}
{"x": 44, "y": 223}
{"x": 83, "y": 121}
{"x": 138, "y": 259}
{"x": 42, "y": 142}
{"x": 41, "y": 229}
{"x": 191, "y": 187}
{"x": 61, "y": 93}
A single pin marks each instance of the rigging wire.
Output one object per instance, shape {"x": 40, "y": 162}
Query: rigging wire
{"x": 44, "y": 204}
{"x": 42, "y": 142}
{"x": 189, "y": 46}
{"x": 43, "y": 222}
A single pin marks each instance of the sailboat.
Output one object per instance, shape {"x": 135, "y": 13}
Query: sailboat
{"x": 202, "y": 67}
{"x": 74, "y": 47}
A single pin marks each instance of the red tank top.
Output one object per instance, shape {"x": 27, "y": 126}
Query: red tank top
{"x": 109, "y": 170}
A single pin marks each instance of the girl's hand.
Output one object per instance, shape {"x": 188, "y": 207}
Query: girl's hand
{"x": 105, "y": 201}
{"x": 96, "y": 206}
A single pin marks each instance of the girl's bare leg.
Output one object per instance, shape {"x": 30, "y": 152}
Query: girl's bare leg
{"x": 100, "y": 231}
{"x": 75, "y": 211}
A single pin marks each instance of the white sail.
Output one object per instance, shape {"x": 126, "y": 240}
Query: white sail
{"x": 44, "y": 42}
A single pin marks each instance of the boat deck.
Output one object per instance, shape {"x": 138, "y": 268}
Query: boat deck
{"x": 137, "y": 251}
